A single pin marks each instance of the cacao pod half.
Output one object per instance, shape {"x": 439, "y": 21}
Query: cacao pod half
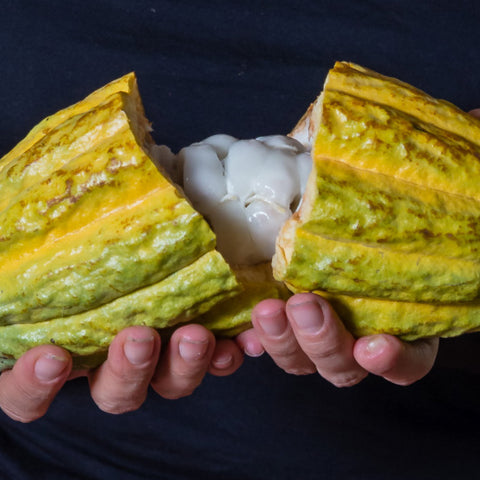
{"x": 388, "y": 227}
{"x": 93, "y": 237}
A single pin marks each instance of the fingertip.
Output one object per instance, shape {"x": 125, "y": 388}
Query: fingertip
{"x": 268, "y": 307}
{"x": 51, "y": 368}
{"x": 194, "y": 332}
{"x": 135, "y": 346}
{"x": 306, "y": 314}
{"x": 324, "y": 339}
{"x": 27, "y": 390}
{"x": 402, "y": 363}
{"x": 310, "y": 297}
{"x": 226, "y": 359}
{"x": 313, "y": 306}
{"x": 306, "y": 297}
{"x": 249, "y": 342}
{"x": 185, "y": 362}
{"x": 45, "y": 364}
{"x": 377, "y": 353}
{"x": 120, "y": 384}
{"x": 222, "y": 362}
{"x": 139, "y": 351}
{"x": 137, "y": 332}
{"x": 193, "y": 343}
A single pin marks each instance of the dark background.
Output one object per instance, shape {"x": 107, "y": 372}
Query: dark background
{"x": 247, "y": 69}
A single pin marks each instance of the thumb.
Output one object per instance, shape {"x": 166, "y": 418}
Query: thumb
{"x": 29, "y": 388}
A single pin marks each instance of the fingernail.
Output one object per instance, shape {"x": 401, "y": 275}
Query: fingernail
{"x": 376, "y": 345}
{"x": 224, "y": 360}
{"x": 273, "y": 324}
{"x": 138, "y": 350}
{"x": 253, "y": 349}
{"x": 191, "y": 350}
{"x": 308, "y": 316}
{"x": 49, "y": 367}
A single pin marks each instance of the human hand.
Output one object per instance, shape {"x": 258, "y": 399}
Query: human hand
{"x": 120, "y": 384}
{"x": 305, "y": 335}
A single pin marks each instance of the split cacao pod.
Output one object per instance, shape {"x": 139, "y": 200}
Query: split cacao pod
{"x": 94, "y": 237}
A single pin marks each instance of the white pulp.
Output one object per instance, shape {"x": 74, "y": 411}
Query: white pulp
{"x": 246, "y": 189}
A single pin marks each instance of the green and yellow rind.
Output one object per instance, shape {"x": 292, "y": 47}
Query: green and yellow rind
{"x": 99, "y": 223}
{"x": 180, "y": 297}
{"x": 385, "y": 212}
{"x": 409, "y": 321}
{"x": 228, "y": 319}
{"x": 127, "y": 84}
{"x": 355, "y": 269}
{"x": 371, "y": 235}
{"x": 351, "y": 78}
{"x": 93, "y": 237}
{"x": 376, "y": 137}
{"x": 388, "y": 228}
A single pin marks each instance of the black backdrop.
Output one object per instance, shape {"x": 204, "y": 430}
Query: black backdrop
{"x": 245, "y": 68}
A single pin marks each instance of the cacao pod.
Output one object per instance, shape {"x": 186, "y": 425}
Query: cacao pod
{"x": 388, "y": 226}
{"x": 93, "y": 237}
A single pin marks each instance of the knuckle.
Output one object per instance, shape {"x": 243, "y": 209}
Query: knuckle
{"x": 118, "y": 406}
{"x": 345, "y": 380}
{"x": 124, "y": 374}
{"x": 299, "y": 370}
{"x": 175, "y": 387}
{"x": 285, "y": 347}
{"x": 190, "y": 374}
{"x": 22, "y": 416}
{"x": 175, "y": 394}
{"x": 125, "y": 382}
{"x": 287, "y": 351}
{"x": 24, "y": 403}
{"x": 320, "y": 351}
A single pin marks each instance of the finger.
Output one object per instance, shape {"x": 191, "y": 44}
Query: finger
{"x": 276, "y": 335}
{"x": 249, "y": 343}
{"x": 402, "y": 363}
{"x": 324, "y": 339}
{"x": 121, "y": 383}
{"x": 185, "y": 362}
{"x": 226, "y": 359}
{"x": 29, "y": 388}
{"x": 475, "y": 112}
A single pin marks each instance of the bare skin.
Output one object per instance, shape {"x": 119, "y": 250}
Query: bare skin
{"x": 305, "y": 335}
{"x": 120, "y": 384}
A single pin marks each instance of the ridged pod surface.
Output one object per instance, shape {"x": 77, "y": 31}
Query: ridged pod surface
{"x": 93, "y": 237}
{"x": 388, "y": 227}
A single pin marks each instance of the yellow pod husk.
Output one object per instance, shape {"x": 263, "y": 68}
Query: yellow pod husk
{"x": 93, "y": 237}
{"x": 388, "y": 227}
{"x": 178, "y": 298}
{"x": 409, "y": 321}
{"x": 227, "y": 319}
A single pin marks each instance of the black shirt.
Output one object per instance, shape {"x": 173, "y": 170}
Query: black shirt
{"x": 246, "y": 69}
